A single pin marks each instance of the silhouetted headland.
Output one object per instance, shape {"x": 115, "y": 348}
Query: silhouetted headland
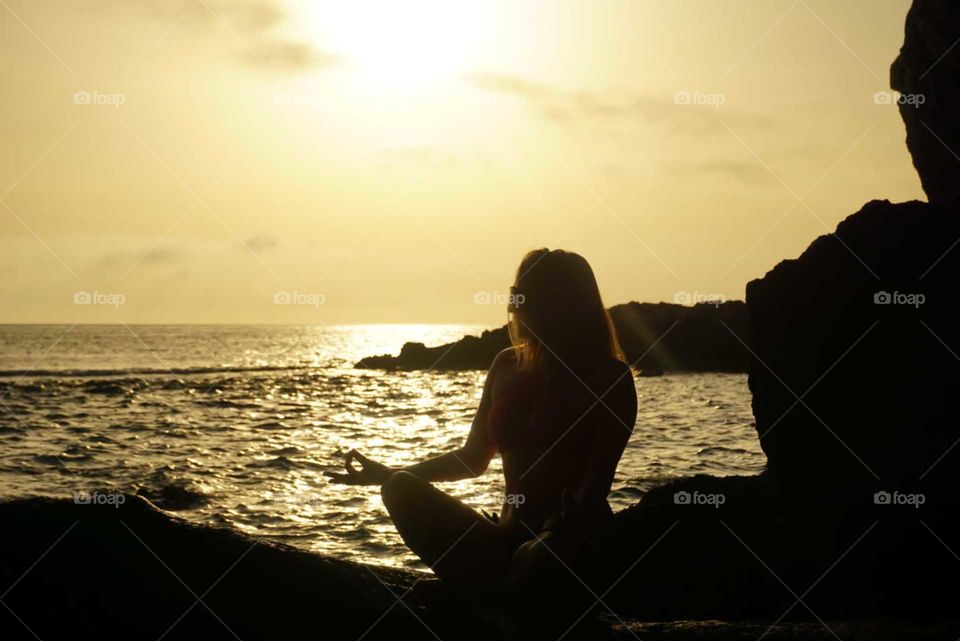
{"x": 655, "y": 337}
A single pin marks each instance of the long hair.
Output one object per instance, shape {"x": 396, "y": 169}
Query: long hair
{"x": 557, "y": 313}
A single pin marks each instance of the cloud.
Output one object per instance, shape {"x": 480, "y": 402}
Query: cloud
{"x": 280, "y": 55}
{"x": 511, "y": 85}
{"x": 247, "y": 17}
{"x": 252, "y": 23}
{"x": 151, "y": 256}
{"x": 752, "y": 173}
{"x": 253, "y": 16}
{"x": 261, "y": 242}
{"x": 578, "y": 107}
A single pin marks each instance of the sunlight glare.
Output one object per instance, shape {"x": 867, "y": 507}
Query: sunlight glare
{"x": 399, "y": 44}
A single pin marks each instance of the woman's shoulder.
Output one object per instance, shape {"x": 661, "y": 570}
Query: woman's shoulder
{"x": 506, "y": 360}
{"x": 504, "y": 368}
{"x": 614, "y": 379}
{"x": 614, "y": 370}
{"x": 620, "y": 367}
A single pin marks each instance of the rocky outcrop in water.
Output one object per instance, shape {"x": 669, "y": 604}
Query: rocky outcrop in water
{"x": 470, "y": 352}
{"x": 656, "y": 337}
{"x": 926, "y": 73}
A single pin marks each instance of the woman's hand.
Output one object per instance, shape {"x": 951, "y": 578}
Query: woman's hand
{"x": 370, "y": 472}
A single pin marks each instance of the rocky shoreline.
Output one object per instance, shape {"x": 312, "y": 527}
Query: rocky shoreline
{"x": 674, "y": 569}
{"x": 656, "y": 337}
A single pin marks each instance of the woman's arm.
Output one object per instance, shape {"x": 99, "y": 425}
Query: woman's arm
{"x": 468, "y": 461}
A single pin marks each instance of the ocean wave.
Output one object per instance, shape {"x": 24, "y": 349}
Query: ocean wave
{"x": 174, "y": 496}
{"x": 721, "y": 449}
{"x": 145, "y": 371}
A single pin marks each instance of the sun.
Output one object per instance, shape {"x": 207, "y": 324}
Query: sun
{"x": 399, "y": 44}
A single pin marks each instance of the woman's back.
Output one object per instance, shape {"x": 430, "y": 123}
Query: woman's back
{"x": 546, "y": 422}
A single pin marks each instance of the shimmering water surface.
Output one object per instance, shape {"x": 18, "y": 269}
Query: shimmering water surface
{"x": 236, "y": 425}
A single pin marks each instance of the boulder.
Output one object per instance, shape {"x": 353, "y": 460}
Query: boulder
{"x": 926, "y": 74}
{"x": 740, "y": 548}
{"x": 856, "y": 375}
{"x": 134, "y": 572}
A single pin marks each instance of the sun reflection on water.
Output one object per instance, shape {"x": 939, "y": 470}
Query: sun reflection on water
{"x": 249, "y": 448}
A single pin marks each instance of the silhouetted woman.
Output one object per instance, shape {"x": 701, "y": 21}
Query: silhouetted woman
{"x": 559, "y": 407}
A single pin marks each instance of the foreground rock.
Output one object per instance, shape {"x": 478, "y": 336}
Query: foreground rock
{"x": 742, "y": 548}
{"x": 134, "y": 572}
{"x": 656, "y": 337}
{"x": 698, "y": 571}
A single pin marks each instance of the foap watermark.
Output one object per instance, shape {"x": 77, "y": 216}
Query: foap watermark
{"x": 84, "y": 297}
{"x": 899, "y": 298}
{"x": 699, "y": 498}
{"x": 695, "y": 298}
{"x": 98, "y": 98}
{"x": 284, "y": 297}
{"x": 498, "y": 298}
{"x": 303, "y": 499}
{"x": 516, "y": 500}
{"x": 899, "y": 498}
{"x": 699, "y": 98}
{"x": 82, "y": 497}
{"x": 896, "y": 98}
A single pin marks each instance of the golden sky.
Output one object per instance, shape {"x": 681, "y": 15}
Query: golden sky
{"x": 198, "y": 160}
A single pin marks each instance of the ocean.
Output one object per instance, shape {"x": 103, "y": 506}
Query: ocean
{"x": 236, "y": 425}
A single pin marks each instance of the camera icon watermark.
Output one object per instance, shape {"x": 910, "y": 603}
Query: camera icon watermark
{"x": 84, "y": 297}
{"x": 699, "y": 98}
{"x": 96, "y": 497}
{"x": 284, "y": 297}
{"x": 899, "y": 498}
{"x": 899, "y": 298}
{"x": 699, "y": 498}
{"x": 896, "y": 98}
{"x": 696, "y": 298}
{"x": 115, "y": 100}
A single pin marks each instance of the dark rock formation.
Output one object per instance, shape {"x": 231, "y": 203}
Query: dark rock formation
{"x": 91, "y": 571}
{"x": 134, "y": 572}
{"x": 470, "y": 352}
{"x": 657, "y": 337}
{"x": 844, "y": 328}
{"x": 927, "y": 70}
{"x": 672, "y": 338}
{"x": 749, "y": 555}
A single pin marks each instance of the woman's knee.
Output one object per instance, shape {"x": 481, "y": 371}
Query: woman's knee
{"x": 398, "y": 487}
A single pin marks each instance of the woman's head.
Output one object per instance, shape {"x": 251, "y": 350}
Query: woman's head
{"x": 557, "y": 311}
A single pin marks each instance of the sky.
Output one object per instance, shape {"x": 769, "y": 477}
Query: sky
{"x": 270, "y": 161}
